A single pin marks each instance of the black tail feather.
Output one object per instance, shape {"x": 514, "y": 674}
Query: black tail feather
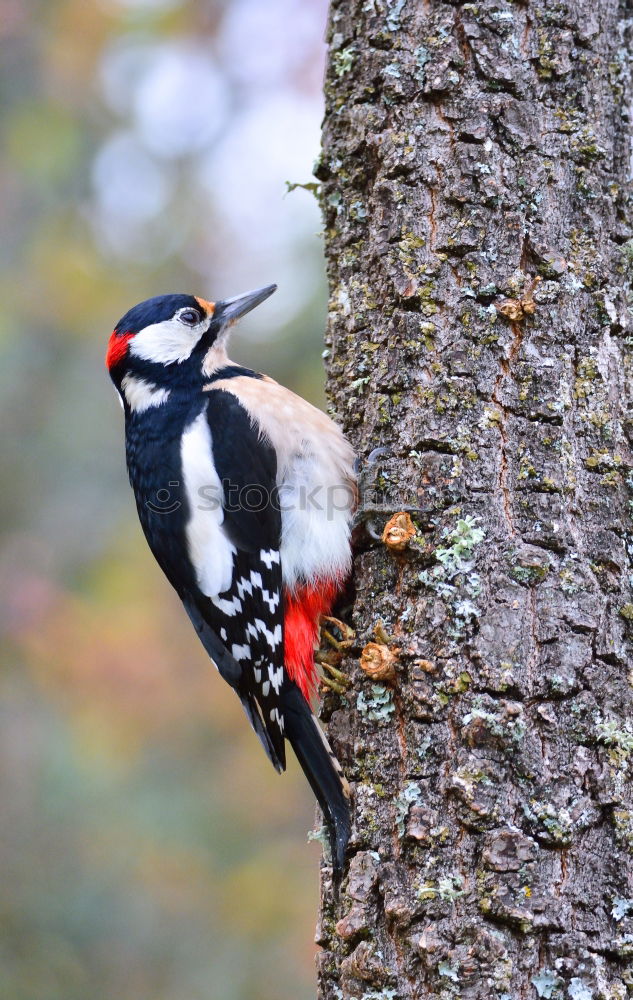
{"x": 275, "y": 753}
{"x": 320, "y": 768}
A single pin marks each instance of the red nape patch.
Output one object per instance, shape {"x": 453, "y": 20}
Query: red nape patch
{"x": 117, "y": 348}
{"x": 303, "y": 609}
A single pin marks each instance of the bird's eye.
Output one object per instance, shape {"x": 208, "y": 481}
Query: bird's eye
{"x": 190, "y": 316}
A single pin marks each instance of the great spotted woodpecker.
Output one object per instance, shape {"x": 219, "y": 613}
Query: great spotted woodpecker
{"x": 245, "y": 493}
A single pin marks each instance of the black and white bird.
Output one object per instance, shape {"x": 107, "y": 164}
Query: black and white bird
{"x": 245, "y": 493}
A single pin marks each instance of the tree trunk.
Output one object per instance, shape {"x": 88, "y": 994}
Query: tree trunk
{"x": 474, "y": 176}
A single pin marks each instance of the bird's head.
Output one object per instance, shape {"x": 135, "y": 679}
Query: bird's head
{"x": 173, "y": 339}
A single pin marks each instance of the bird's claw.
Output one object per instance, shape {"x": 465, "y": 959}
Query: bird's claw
{"x": 347, "y": 633}
{"x": 338, "y": 682}
{"x": 330, "y": 658}
{"x": 371, "y": 459}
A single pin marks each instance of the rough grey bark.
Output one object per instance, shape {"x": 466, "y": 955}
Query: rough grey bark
{"x": 469, "y": 150}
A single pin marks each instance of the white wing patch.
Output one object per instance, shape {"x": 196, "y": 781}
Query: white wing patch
{"x": 272, "y": 600}
{"x": 233, "y": 605}
{"x": 240, "y": 652}
{"x": 142, "y": 395}
{"x": 272, "y": 638}
{"x": 269, "y": 557}
{"x": 230, "y": 607}
{"x": 210, "y": 551}
{"x": 243, "y": 587}
{"x": 276, "y": 677}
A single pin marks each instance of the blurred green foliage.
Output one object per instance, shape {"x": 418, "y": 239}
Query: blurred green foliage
{"x": 147, "y": 848}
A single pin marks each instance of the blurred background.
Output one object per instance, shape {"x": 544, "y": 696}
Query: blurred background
{"x": 147, "y": 848}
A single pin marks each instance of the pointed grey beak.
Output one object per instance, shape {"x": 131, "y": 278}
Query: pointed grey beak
{"x": 229, "y": 310}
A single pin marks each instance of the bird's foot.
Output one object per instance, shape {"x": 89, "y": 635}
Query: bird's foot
{"x": 332, "y": 651}
{"x": 346, "y": 632}
{"x": 335, "y": 680}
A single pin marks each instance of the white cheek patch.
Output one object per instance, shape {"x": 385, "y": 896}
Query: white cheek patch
{"x": 142, "y": 395}
{"x": 166, "y": 343}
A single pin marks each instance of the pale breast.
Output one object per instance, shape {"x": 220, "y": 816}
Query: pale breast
{"x": 315, "y": 477}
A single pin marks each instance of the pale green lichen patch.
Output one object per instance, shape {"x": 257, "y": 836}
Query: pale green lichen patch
{"x": 448, "y": 888}
{"x": 384, "y": 994}
{"x": 578, "y": 989}
{"x": 467, "y": 778}
{"x": 552, "y": 826}
{"x": 421, "y": 58}
{"x": 530, "y": 573}
{"x": 545, "y": 982}
{"x": 453, "y": 579}
{"x": 378, "y": 706}
{"x": 394, "y": 12}
{"x": 610, "y": 733}
{"x": 461, "y": 543}
{"x": 409, "y": 795}
{"x": 343, "y": 60}
{"x": 449, "y": 971}
{"x": 509, "y": 728}
{"x": 621, "y": 908}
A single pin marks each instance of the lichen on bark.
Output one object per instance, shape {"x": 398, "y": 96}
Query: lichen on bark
{"x": 469, "y": 150}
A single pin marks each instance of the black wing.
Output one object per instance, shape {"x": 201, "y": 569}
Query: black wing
{"x": 242, "y": 628}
